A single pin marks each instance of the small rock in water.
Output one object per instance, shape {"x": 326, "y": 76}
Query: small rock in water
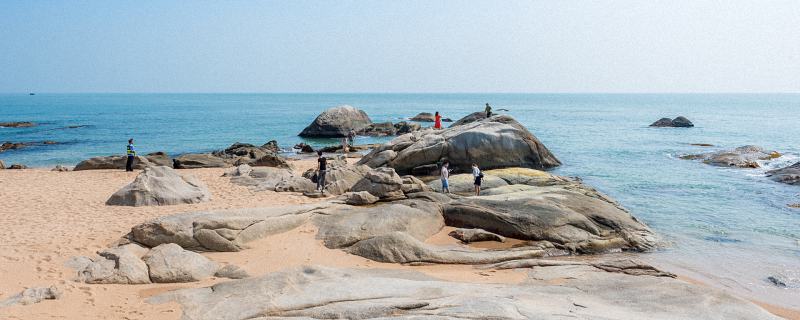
{"x": 794, "y": 205}
{"x": 776, "y": 281}
{"x": 722, "y": 239}
{"x": 702, "y": 144}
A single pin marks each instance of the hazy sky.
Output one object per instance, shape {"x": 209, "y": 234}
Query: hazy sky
{"x": 400, "y": 46}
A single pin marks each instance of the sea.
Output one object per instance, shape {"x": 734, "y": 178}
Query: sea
{"x": 729, "y": 228}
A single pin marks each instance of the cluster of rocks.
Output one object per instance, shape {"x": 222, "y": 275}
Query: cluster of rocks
{"x": 160, "y": 185}
{"x": 19, "y": 124}
{"x": 679, "y": 122}
{"x": 340, "y": 121}
{"x": 15, "y": 166}
{"x": 741, "y": 157}
{"x": 132, "y": 263}
{"x": 8, "y": 145}
{"x": 389, "y": 129}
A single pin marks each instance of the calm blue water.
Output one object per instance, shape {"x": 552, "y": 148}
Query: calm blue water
{"x": 730, "y": 227}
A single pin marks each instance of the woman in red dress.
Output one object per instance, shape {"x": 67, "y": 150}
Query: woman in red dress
{"x": 437, "y": 124}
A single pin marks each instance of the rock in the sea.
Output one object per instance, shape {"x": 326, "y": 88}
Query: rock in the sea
{"x": 337, "y": 122}
{"x": 304, "y": 148}
{"x": 170, "y": 263}
{"x": 12, "y": 146}
{"x": 383, "y": 183}
{"x": 379, "y": 129}
{"x": 159, "y": 186}
{"x": 32, "y": 295}
{"x": 741, "y": 157}
{"x": 572, "y": 291}
{"x": 497, "y": 142}
{"x": 20, "y": 124}
{"x": 60, "y": 168}
{"x": 788, "y": 175}
{"x": 776, "y": 281}
{"x": 424, "y": 117}
{"x": 679, "y": 122}
{"x": 17, "y": 166}
{"x": 794, "y": 205}
{"x": 472, "y": 117}
{"x": 475, "y": 235}
{"x": 201, "y": 160}
{"x": 359, "y": 198}
{"x": 271, "y": 145}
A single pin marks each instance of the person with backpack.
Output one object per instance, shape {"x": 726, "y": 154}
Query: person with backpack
{"x": 478, "y": 177}
{"x": 321, "y": 168}
{"x": 445, "y": 174}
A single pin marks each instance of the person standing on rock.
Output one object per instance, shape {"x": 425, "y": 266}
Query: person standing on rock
{"x": 351, "y": 137}
{"x": 437, "y": 124}
{"x": 478, "y": 177}
{"x": 322, "y": 167}
{"x": 445, "y": 175}
{"x": 131, "y": 155}
{"x": 488, "y": 110}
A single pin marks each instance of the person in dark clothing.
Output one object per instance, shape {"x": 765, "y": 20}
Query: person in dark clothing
{"x": 323, "y": 164}
{"x": 488, "y": 110}
{"x": 131, "y": 156}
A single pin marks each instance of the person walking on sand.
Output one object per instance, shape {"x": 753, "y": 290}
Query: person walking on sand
{"x": 478, "y": 177}
{"x": 445, "y": 174}
{"x": 321, "y": 168}
{"x": 437, "y": 124}
{"x": 351, "y": 137}
{"x": 131, "y": 155}
{"x": 488, "y": 110}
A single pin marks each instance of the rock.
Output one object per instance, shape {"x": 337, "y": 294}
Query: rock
{"x": 527, "y": 176}
{"x": 497, "y": 142}
{"x": 231, "y": 272}
{"x": 404, "y": 127}
{"x": 383, "y": 183}
{"x": 413, "y": 185}
{"x": 170, "y": 263}
{"x": 304, "y": 148}
{"x": 359, "y": 198}
{"x": 245, "y": 153}
{"x": 49, "y": 142}
{"x": 475, "y": 235}
{"x": 472, "y": 117}
{"x": 569, "y": 217}
{"x": 741, "y": 157}
{"x": 271, "y": 179}
{"x": 60, "y": 168}
{"x": 447, "y": 120}
{"x": 12, "y": 146}
{"x": 32, "y": 295}
{"x": 160, "y": 186}
{"x": 582, "y": 292}
{"x": 788, "y": 175}
{"x": 203, "y": 160}
{"x": 272, "y": 146}
{"x": 159, "y": 158}
{"x": 2, "y": 165}
{"x": 464, "y": 184}
{"x": 340, "y": 177}
{"x": 679, "y": 122}
{"x": 424, "y": 117}
{"x": 121, "y": 265}
{"x": 21, "y": 124}
{"x": 701, "y": 144}
{"x": 337, "y": 122}
{"x": 423, "y": 170}
{"x": 111, "y": 163}
{"x": 776, "y": 281}
{"x": 239, "y": 171}
{"x": 794, "y": 205}
{"x": 17, "y": 166}
{"x": 379, "y": 129}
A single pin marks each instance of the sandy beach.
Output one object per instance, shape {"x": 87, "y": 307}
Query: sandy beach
{"x": 48, "y": 217}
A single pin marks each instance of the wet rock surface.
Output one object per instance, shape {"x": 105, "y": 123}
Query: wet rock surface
{"x": 788, "y": 175}
{"x": 679, "y": 122}
{"x": 741, "y": 157}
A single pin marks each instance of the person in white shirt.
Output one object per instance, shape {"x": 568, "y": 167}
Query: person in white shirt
{"x": 478, "y": 177}
{"x": 445, "y": 174}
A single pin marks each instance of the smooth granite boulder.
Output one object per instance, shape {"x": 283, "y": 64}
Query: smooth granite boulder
{"x": 120, "y": 265}
{"x": 679, "y": 122}
{"x": 2, "y": 165}
{"x": 32, "y": 295}
{"x": 383, "y": 183}
{"x": 424, "y": 117}
{"x": 169, "y": 263}
{"x": 550, "y": 292}
{"x": 472, "y": 117}
{"x": 159, "y": 158}
{"x": 475, "y": 235}
{"x": 112, "y": 162}
{"x": 379, "y": 129}
{"x": 160, "y": 186}
{"x": 337, "y": 122}
{"x": 741, "y": 157}
{"x": 200, "y": 160}
{"x": 359, "y": 198}
{"x": 788, "y": 175}
{"x": 464, "y": 184}
{"x": 245, "y": 153}
{"x": 496, "y": 142}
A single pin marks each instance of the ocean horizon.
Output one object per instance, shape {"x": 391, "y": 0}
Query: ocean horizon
{"x": 730, "y": 227}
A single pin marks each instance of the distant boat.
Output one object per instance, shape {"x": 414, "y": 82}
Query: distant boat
{"x": 31, "y": 94}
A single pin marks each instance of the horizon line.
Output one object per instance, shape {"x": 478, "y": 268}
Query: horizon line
{"x": 401, "y": 92}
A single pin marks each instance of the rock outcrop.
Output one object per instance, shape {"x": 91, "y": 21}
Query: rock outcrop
{"x": 579, "y": 291}
{"x": 359, "y": 198}
{"x": 2, "y": 165}
{"x": 32, "y": 295}
{"x": 383, "y": 183}
{"x": 245, "y": 153}
{"x": 464, "y": 184}
{"x": 121, "y": 265}
{"x": 741, "y": 157}
{"x": 475, "y": 235}
{"x": 169, "y": 263}
{"x": 788, "y": 175}
{"x": 159, "y": 186}
{"x": 200, "y": 160}
{"x": 497, "y": 142}
{"x": 472, "y": 117}
{"x": 118, "y": 162}
{"x": 337, "y": 122}
{"x": 17, "y": 166}
{"x": 11, "y": 146}
{"x": 679, "y": 122}
{"x": 389, "y": 128}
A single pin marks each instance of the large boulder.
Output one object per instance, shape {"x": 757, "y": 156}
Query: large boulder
{"x": 112, "y": 162}
{"x": 159, "y": 158}
{"x": 245, "y": 153}
{"x": 496, "y": 142}
{"x": 679, "y": 122}
{"x": 158, "y": 186}
{"x": 2, "y": 165}
{"x": 122, "y": 265}
{"x": 741, "y": 157}
{"x": 788, "y": 175}
{"x": 424, "y": 117}
{"x": 170, "y": 263}
{"x": 383, "y": 183}
{"x": 201, "y": 160}
{"x": 337, "y": 122}
{"x": 579, "y": 290}
{"x": 472, "y": 117}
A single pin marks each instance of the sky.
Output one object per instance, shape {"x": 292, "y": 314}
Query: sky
{"x": 400, "y": 46}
